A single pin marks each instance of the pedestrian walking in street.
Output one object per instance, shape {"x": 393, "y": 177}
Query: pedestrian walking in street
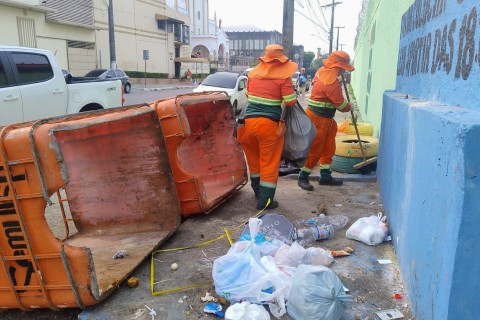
{"x": 302, "y": 84}
{"x": 326, "y": 98}
{"x": 189, "y": 75}
{"x": 269, "y": 86}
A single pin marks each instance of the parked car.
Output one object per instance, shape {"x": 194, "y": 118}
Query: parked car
{"x": 34, "y": 86}
{"x": 112, "y": 74}
{"x": 246, "y": 71}
{"x": 231, "y": 83}
{"x": 295, "y": 84}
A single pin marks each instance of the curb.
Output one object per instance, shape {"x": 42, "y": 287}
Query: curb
{"x": 165, "y": 88}
{"x": 372, "y": 177}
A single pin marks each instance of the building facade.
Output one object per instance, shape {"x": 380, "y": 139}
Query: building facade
{"x": 208, "y": 39}
{"x": 247, "y": 44}
{"x": 33, "y": 24}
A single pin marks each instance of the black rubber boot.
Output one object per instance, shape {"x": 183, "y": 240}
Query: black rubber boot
{"x": 255, "y": 183}
{"x": 303, "y": 181}
{"x": 265, "y": 194}
{"x": 326, "y": 178}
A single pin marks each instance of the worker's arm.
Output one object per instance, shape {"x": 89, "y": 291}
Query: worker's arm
{"x": 288, "y": 94}
{"x": 335, "y": 95}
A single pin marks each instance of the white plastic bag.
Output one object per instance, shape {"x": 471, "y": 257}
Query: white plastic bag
{"x": 290, "y": 256}
{"x": 317, "y": 294}
{"x": 246, "y": 311}
{"x": 319, "y": 257}
{"x": 240, "y": 275}
{"x": 369, "y": 230}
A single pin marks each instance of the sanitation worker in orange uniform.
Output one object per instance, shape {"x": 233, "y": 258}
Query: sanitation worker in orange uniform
{"x": 326, "y": 98}
{"x": 269, "y": 86}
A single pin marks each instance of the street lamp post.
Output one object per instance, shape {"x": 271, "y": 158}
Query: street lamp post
{"x": 111, "y": 36}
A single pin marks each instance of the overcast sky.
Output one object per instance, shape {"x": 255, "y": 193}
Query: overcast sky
{"x": 268, "y": 15}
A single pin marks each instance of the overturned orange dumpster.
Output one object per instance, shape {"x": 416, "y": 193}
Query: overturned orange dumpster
{"x": 207, "y": 162}
{"x": 119, "y": 187}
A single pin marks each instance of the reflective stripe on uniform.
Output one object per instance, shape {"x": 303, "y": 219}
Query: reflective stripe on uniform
{"x": 320, "y": 104}
{"x": 265, "y": 101}
{"x": 343, "y": 105}
{"x": 289, "y": 98}
{"x": 268, "y": 184}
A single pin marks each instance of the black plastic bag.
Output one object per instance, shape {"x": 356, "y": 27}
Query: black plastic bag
{"x": 299, "y": 135}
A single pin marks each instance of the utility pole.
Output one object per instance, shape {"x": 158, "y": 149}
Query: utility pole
{"x": 341, "y": 46}
{"x": 287, "y": 32}
{"x": 331, "y": 23}
{"x": 111, "y": 36}
{"x": 338, "y": 35}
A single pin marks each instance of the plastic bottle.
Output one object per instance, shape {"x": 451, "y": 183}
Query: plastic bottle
{"x": 314, "y": 233}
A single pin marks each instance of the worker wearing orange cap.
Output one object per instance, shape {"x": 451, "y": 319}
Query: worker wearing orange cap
{"x": 269, "y": 86}
{"x": 326, "y": 98}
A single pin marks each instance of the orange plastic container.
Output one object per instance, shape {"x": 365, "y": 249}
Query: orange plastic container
{"x": 207, "y": 162}
{"x": 116, "y": 174}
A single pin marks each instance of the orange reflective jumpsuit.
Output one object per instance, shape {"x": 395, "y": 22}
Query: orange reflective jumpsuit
{"x": 262, "y": 146}
{"x": 322, "y": 105}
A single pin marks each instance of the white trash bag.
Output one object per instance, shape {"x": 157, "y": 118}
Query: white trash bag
{"x": 241, "y": 276}
{"x": 246, "y": 311}
{"x": 317, "y": 294}
{"x": 369, "y": 230}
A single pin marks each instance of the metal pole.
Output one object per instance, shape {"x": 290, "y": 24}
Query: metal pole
{"x": 111, "y": 36}
{"x": 145, "y": 74}
{"x": 331, "y": 23}
{"x": 338, "y": 34}
{"x": 330, "y": 49}
{"x": 287, "y": 32}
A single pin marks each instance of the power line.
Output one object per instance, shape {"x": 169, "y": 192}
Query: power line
{"x": 312, "y": 21}
{"x": 331, "y": 24}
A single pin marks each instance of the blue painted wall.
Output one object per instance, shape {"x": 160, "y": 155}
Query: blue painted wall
{"x": 429, "y": 158}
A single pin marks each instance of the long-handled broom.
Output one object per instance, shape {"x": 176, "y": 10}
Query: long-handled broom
{"x": 367, "y": 165}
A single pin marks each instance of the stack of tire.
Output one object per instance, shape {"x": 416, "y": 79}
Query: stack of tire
{"x": 348, "y": 152}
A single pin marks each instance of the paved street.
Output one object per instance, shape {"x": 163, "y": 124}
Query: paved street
{"x": 140, "y": 94}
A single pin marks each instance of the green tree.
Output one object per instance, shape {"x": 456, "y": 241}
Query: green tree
{"x": 307, "y": 61}
{"x": 317, "y": 63}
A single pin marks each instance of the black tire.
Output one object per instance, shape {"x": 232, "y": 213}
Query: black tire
{"x": 345, "y": 164}
{"x": 127, "y": 88}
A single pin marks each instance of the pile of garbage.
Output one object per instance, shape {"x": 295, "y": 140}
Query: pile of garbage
{"x": 259, "y": 270}
{"x": 271, "y": 267}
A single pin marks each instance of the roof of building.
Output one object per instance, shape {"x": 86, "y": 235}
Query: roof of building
{"x": 244, "y": 28}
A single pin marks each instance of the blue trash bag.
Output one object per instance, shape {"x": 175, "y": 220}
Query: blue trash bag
{"x": 316, "y": 294}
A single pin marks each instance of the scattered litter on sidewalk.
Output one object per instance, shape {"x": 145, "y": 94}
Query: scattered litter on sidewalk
{"x": 132, "y": 282}
{"x": 389, "y": 314}
{"x": 384, "y": 261}
{"x": 139, "y": 313}
{"x": 322, "y": 208}
{"x": 174, "y": 266}
{"x": 214, "y": 308}
{"x": 397, "y": 296}
{"x": 120, "y": 254}
{"x": 209, "y": 298}
{"x": 152, "y": 312}
{"x": 338, "y": 205}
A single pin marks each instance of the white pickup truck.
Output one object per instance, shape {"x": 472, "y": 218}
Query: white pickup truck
{"x": 33, "y": 86}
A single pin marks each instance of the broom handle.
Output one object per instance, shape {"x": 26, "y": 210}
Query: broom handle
{"x": 353, "y": 119}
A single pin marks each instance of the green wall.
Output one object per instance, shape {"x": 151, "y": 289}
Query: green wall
{"x": 376, "y": 55}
